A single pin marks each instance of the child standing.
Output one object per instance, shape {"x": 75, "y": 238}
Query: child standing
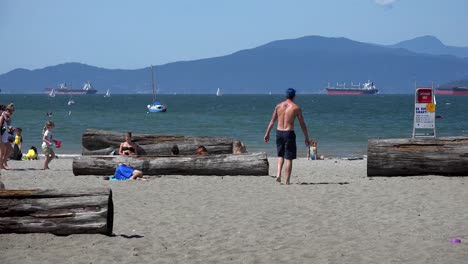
{"x": 47, "y": 142}
{"x": 312, "y": 150}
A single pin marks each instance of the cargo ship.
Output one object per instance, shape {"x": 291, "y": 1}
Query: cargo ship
{"x": 366, "y": 88}
{"x": 457, "y": 90}
{"x": 63, "y": 89}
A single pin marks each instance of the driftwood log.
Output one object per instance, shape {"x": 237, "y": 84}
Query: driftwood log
{"x": 254, "y": 164}
{"x": 66, "y": 212}
{"x": 102, "y": 142}
{"x": 420, "y": 156}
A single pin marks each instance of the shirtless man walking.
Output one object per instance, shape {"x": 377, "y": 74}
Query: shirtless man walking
{"x": 286, "y": 112}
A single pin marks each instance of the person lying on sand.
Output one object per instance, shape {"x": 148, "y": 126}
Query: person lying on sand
{"x": 125, "y": 172}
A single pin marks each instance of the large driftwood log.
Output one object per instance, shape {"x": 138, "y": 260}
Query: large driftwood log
{"x": 65, "y": 212}
{"x": 419, "y": 156}
{"x": 101, "y": 142}
{"x": 244, "y": 164}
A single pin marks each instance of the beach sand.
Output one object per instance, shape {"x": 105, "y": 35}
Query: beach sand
{"x": 332, "y": 213}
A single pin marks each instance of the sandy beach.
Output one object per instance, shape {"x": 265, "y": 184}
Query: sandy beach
{"x": 332, "y": 213}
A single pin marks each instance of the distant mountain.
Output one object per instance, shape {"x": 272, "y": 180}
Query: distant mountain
{"x": 307, "y": 63}
{"x": 463, "y": 83}
{"x": 431, "y": 45}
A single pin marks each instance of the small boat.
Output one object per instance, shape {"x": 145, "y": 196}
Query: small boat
{"x": 52, "y": 93}
{"x": 156, "y": 106}
{"x": 218, "y": 92}
{"x": 107, "y": 93}
{"x": 70, "y": 102}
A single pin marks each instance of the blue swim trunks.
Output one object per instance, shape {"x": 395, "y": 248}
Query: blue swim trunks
{"x": 123, "y": 172}
{"x": 286, "y": 144}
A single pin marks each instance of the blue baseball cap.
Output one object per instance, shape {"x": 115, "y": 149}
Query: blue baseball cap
{"x": 290, "y": 93}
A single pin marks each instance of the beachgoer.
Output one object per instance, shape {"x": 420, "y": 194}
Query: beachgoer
{"x": 201, "y": 151}
{"x": 175, "y": 150}
{"x": 17, "y": 154}
{"x": 3, "y": 130}
{"x": 5, "y": 146}
{"x": 286, "y": 113}
{"x": 128, "y": 147}
{"x": 47, "y": 143}
{"x": 312, "y": 150}
{"x": 125, "y": 172}
{"x": 32, "y": 154}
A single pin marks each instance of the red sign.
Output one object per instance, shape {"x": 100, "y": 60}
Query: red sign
{"x": 424, "y": 95}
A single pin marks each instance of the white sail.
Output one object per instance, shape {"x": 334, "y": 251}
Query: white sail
{"x": 156, "y": 106}
{"x": 218, "y": 92}
{"x": 107, "y": 93}
{"x": 52, "y": 93}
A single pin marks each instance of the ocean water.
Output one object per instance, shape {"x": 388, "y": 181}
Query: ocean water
{"x": 342, "y": 125}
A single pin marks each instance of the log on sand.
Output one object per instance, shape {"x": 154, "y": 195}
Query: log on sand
{"x": 63, "y": 212}
{"x": 254, "y": 164}
{"x": 420, "y": 156}
{"x": 102, "y": 142}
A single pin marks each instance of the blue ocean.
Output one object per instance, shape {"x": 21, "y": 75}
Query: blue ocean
{"x": 342, "y": 125}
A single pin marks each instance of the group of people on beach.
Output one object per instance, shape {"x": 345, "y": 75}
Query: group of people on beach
{"x": 130, "y": 148}
{"x": 11, "y": 140}
{"x": 285, "y": 113}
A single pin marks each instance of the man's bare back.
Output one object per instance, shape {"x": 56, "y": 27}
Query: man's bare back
{"x": 286, "y": 114}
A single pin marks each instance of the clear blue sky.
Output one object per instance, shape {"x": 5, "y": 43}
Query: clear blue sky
{"x": 134, "y": 34}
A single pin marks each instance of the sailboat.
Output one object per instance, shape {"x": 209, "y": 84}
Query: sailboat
{"x": 218, "y": 92}
{"x": 70, "y": 102}
{"x": 52, "y": 93}
{"x": 156, "y": 106}
{"x": 107, "y": 93}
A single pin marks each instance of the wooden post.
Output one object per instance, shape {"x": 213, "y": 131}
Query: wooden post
{"x": 64, "y": 212}
{"x": 418, "y": 156}
{"x": 254, "y": 164}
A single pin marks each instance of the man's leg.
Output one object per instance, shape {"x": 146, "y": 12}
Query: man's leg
{"x": 288, "y": 170}
{"x": 279, "y": 169}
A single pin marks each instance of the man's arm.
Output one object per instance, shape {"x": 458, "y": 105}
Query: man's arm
{"x": 266, "y": 138}
{"x": 303, "y": 125}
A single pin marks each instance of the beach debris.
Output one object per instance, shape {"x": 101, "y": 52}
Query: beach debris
{"x": 418, "y": 156}
{"x": 101, "y": 142}
{"x": 60, "y": 212}
{"x": 456, "y": 240}
{"x": 250, "y": 164}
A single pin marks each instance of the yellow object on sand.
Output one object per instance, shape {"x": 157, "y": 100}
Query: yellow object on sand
{"x": 31, "y": 155}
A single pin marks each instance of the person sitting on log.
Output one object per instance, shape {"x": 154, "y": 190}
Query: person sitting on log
{"x": 201, "y": 151}
{"x": 128, "y": 147}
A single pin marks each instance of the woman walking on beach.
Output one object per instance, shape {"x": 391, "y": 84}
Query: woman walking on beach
{"x": 47, "y": 142}
{"x": 5, "y": 146}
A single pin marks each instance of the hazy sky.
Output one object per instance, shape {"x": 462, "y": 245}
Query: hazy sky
{"x": 134, "y": 34}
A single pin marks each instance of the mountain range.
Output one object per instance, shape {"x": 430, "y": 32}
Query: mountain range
{"x": 309, "y": 64}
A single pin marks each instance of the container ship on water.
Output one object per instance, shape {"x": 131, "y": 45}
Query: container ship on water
{"x": 63, "y": 89}
{"x": 458, "y": 90}
{"x": 354, "y": 89}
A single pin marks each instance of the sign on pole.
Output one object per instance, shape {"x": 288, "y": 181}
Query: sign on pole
{"x": 424, "y": 113}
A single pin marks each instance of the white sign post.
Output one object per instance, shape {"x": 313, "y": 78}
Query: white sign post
{"x": 424, "y": 113}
